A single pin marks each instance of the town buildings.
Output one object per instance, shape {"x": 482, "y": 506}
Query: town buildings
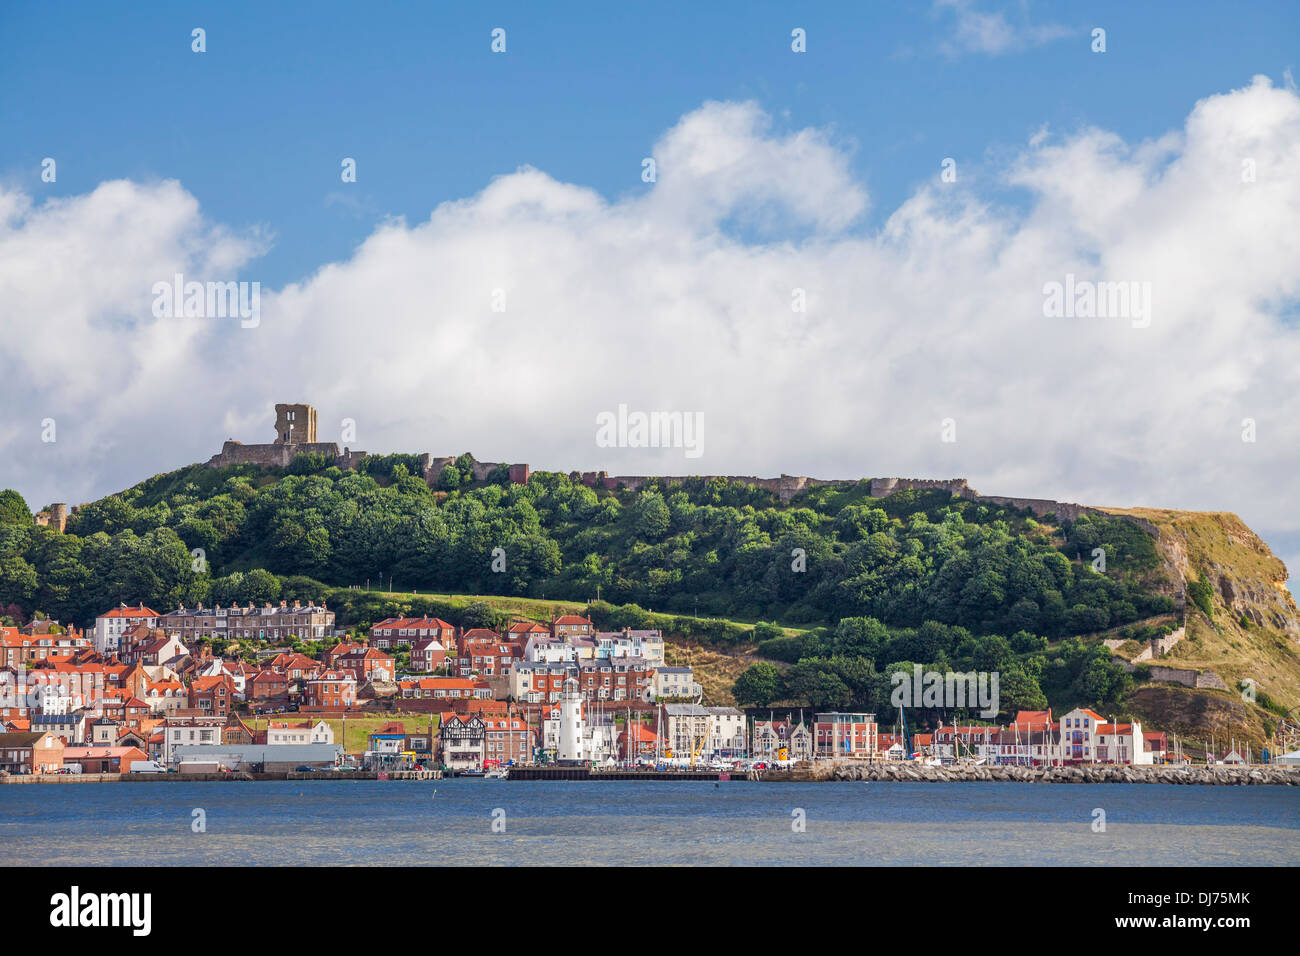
{"x": 111, "y": 625}
{"x": 558, "y": 690}
{"x": 266, "y": 623}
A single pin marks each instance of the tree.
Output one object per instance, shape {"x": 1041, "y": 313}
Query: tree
{"x": 758, "y": 686}
{"x": 465, "y": 465}
{"x": 260, "y": 587}
{"x": 13, "y": 509}
{"x": 994, "y": 654}
{"x": 815, "y": 681}
{"x": 18, "y": 581}
{"x": 478, "y": 614}
{"x": 448, "y": 479}
{"x": 650, "y": 515}
{"x": 1018, "y": 690}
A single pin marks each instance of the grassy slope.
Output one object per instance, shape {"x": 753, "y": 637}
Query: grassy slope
{"x": 1248, "y": 582}
{"x": 716, "y": 669}
{"x": 358, "y": 728}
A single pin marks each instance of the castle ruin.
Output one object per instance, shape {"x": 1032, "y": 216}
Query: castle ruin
{"x": 295, "y": 434}
{"x": 295, "y": 425}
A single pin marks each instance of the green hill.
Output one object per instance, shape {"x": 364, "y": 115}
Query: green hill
{"x": 863, "y": 584}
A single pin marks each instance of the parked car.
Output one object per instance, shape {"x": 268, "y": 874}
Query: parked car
{"x": 305, "y": 769}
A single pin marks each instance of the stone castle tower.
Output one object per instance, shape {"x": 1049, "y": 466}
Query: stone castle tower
{"x": 295, "y": 425}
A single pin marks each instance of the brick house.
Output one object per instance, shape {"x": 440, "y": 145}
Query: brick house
{"x": 366, "y": 664}
{"x": 427, "y": 655}
{"x": 341, "y": 648}
{"x": 31, "y": 752}
{"x": 268, "y": 687}
{"x": 506, "y": 739}
{"x": 569, "y": 626}
{"x": 116, "y": 759}
{"x": 297, "y": 667}
{"x": 213, "y": 695}
{"x": 484, "y": 653}
{"x": 333, "y": 690}
{"x": 617, "y": 678}
{"x": 394, "y": 631}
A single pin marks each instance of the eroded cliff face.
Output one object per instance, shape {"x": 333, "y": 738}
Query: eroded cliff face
{"x": 1254, "y": 628}
{"x": 1247, "y": 578}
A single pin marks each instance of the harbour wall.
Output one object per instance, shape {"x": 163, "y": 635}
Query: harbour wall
{"x": 1092, "y": 773}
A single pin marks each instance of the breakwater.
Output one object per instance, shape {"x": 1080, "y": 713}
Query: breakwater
{"x": 842, "y": 770}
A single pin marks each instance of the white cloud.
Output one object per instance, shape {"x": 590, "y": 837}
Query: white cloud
{"x": 679, "y": 297}
{"x": 991, "y": 33}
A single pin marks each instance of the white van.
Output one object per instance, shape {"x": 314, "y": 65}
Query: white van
{"x": 147, "y": 766}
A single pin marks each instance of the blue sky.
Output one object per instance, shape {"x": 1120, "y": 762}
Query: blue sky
{"x": 256, "y": 127}
{"x": 926, "y": 305}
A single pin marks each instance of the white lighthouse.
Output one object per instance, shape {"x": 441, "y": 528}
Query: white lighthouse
{"x": 571, "y": 723}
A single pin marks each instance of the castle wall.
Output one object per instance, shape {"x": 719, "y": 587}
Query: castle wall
{"x": 275, "y": 455}
{"x": 299, "y": 422}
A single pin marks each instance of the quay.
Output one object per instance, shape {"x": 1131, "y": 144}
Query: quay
{"x": 235, "y": 776}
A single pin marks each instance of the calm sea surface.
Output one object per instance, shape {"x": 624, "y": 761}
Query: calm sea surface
{"x": 346, "y": 823}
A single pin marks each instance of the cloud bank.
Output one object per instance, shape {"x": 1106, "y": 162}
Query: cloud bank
{"x": 683, "y": 296}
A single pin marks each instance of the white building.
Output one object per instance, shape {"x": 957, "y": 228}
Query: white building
{"x": 110, "y": 626}
{"x": 185, "y": 730}
{"x": 537, "y": 682}
{"x": 573, "y": 731}
{"x": 544, "y": 649}
{"x": 691, "y": 730}
{"x": 630, "y": 643}
{"x": 283, "y": 733}
{"x": 675, "y": 682}
{"x": 726, "y": 731}
{"x": 1086, "y": 737}
{"x": 572, "y": 724}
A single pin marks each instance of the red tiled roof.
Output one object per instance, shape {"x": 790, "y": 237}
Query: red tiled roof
{"x": 140, "y": 611}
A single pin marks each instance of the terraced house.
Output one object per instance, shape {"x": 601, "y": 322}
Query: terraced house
{"x": 266, "y": 623}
